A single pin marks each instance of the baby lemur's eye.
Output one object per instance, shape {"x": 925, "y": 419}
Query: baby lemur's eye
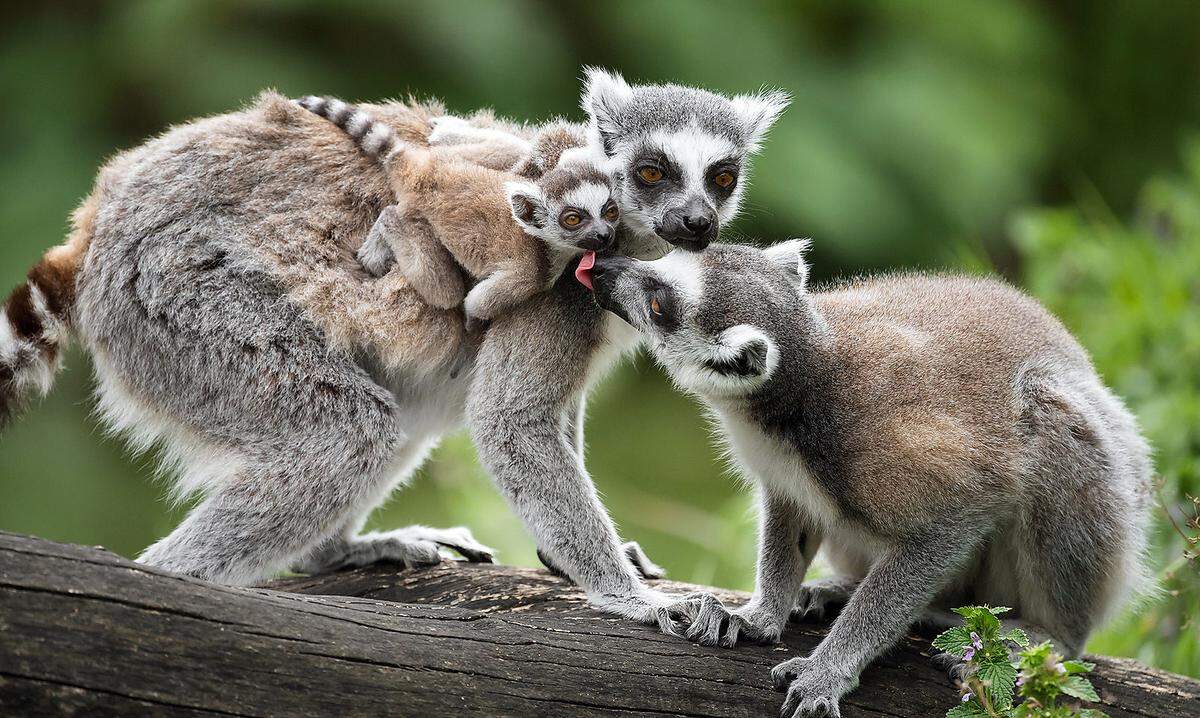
{"x": 650, "y": 173}
{"x": 725, "y": 180}
{"x": 611, "y": 212}
{"x": 570, "y": 219}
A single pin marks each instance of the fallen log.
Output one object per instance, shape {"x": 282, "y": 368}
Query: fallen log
{"x": 86, "y": 632}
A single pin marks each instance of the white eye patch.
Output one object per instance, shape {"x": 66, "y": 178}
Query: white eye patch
{"x": 683, "y": 271}
{"x": 589, "y": 196}
{"x": 694, "y": 151}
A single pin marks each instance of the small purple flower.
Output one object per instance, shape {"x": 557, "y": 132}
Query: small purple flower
{"x": 1021, "y": 680}
{"x": 975, "y": 641}
{"x": 967, "y": 696}
{"x": 969, "y": 654}
{"x": 1060, "y": 668}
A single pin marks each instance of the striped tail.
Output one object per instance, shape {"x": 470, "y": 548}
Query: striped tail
{"x": 35, "y": 326}
{"x": 375, "y": 138}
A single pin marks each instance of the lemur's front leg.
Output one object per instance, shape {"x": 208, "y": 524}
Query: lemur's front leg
{"x": 787, "y": 542}
{"x": 408, "y": 240}
{"x": 504, "y": 289}
{"x": 889, "y": 600}
{"x": 530, "y": 370}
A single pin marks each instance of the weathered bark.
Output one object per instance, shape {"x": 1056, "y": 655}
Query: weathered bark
{"x": 83, "y": 631}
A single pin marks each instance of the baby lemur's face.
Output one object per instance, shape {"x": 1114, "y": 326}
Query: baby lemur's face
{"x": 716, "y": 320}
{"x": 573, "y": 207}
{"x": 681, "y": 152}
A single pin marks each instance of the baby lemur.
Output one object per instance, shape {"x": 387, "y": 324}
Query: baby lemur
{"x": 503, "y": 229}
{"x": 943, "y": 439}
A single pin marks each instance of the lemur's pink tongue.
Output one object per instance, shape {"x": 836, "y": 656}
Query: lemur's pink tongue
{"x": 584, "y": 271}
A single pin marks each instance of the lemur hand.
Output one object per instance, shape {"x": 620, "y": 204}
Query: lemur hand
{"x": 670, "y": 613}
{"x": 716, "y": 625}
{"x": 813, "y": 687}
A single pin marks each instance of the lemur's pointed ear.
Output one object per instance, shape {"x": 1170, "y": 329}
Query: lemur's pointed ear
{"x": 743, "y": 352}
{"x": 789, "y": 254}
{"x": 605, "y": 94}
{"x": 758, "y": 112}
{"x": 527, "y": 204}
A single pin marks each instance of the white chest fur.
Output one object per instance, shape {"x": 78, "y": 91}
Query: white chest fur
{"x": 777, "y": 467}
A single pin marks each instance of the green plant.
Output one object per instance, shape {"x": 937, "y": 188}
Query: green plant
{"x": 989, "y": 677}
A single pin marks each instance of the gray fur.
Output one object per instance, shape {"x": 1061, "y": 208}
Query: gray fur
{"x": 944, "y": 439}
{"x": 231, "y": 322}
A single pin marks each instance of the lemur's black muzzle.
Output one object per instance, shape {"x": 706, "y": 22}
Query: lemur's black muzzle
{"x": 605, "y": 273}
{"x": 691, "y": 227}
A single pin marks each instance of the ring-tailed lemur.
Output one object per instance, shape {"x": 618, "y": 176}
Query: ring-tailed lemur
{"x": 212, "y": 276}
{"x": 512, "y": 235}
{"x": 944, "y": 440}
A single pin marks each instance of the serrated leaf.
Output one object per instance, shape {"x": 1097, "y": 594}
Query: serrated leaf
{"x": 997, "y": 610}
{"x": 1017, "y": 636}
{"x": 1079, "y": 687}
{"x": 1078, "y": 666}
{"x": 971, "y": 709}
{"x": 1001, "y": 679}
{"x": 953, "y": 641}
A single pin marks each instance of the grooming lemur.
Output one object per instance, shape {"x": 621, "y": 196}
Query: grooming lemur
{"x": 944, "y": 440}
{"x": 450, "y": 212}
{"x": 212, "y": 275}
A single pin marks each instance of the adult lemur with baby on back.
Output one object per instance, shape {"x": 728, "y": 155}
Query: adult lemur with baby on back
{"x": 212, "y": 275}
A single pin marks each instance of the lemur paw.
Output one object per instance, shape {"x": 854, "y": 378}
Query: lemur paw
{"x": 411, "y": 547}
{"x": 376, "y": 257}
{"x": 953, "y": 665}
{"x": 449, "y": 129}
{"x": 654, "y": 608}
{"x": 647, "y": 568}
{"x": 813, "y": 688}
{"x": 715, "y": 625}
{"x": 817, "y": 596}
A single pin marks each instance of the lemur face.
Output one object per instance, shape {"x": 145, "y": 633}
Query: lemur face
{"x": 681, "y": 152}
{"x": 572, "y": 207}
{"x": 716, "y": 320}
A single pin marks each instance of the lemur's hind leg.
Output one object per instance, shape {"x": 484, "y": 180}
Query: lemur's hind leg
{"x": 1074, "y": 572}
{"x": 502, "y": 290}
{"x": 406, "y": 239}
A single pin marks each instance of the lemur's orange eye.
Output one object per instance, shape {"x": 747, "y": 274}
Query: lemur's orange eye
{"x": 655, "y": 307}
{"x": 611, "y": 213}
{"x": 650, "y": 173}
{"x": 724, "y": 180}
{"x": 570, "y": 219}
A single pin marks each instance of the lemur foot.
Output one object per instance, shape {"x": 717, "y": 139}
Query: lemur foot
{"x": 632, "y": 550}
{"x": 817, "y": 596}
{"x": 654, "y": 608}
{"x": 813, "y": 688}
{"x": 376, "y": 257}
{"x": 954, "y": 666}
{"x": 647, "y": 568}
{"x": 412, "y": 546}
{"x": 716, "y": 625}
{"x": 449, "y": 130}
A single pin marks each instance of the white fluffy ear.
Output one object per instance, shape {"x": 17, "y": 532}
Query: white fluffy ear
{"x": 758, "y": 112}
{"x": 789, "y": 254}
{"x": 527, "y": 205}
{"x": 743, "y": 352}
{"x": 605, "y": 94}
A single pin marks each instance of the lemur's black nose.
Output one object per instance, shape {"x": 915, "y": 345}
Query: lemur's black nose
{"x": 698, "y": 224}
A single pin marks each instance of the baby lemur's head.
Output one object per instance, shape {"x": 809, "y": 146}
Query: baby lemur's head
{"x": 572, "y": 207}
{"x": 683, "y": 152}
{"x": 717, "y": 320}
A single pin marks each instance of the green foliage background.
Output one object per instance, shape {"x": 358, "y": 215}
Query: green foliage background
{"x": 922, "y": 135}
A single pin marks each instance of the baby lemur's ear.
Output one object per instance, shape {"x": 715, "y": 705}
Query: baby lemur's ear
{"x": 789, "y": 254}
{"x": 605, "y": 94}
{"x": 743, "y": 352}
{"x": 527, "y": 204}
{"x": 758, "y": 112}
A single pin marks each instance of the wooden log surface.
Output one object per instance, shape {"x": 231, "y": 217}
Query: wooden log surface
{"x": 86, "y": 632}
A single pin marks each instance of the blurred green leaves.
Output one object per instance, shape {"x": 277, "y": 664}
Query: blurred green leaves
{"x": 917, "y": 133}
